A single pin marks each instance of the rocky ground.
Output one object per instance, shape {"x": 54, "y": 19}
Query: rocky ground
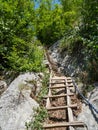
{"x": 16, "y": 105}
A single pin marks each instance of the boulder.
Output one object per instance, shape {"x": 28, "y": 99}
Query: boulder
{"x": 16, "y": 105}
{"x": 88, "y": 115}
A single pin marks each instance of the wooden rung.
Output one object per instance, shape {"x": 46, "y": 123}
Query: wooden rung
{"x": 58, "y": 78}
{"x": 70, "y": 85}
{"x": 63, "y": 95}
{"x": 56, "y": 87}
{"x": 68, "y": 78}
{"x": 63, "y": 86}
{"x": 62, "y": 82}
{"x": 64, "y": 124}
{"x": 61, "y": 107}
{"x": 69, "y": 81}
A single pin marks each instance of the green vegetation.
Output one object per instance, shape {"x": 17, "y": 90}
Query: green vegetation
{"x": 82, "y": 40}
{"x": 87, "y": 89}
{"x": 44, "y": 89}
{"x": 19, "y": 49}
{"x": 24, "y": 27}
{"x": 40, "y": 113}
{"x": 52, "y": 21}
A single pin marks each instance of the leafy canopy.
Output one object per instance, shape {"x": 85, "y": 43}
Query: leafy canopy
{"x": 17, "y": 45}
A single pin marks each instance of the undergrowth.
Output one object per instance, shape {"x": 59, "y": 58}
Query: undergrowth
{"x": 39, "y": 117}
{"x": 40, "y": 113}
{"x": 83, "y": 48}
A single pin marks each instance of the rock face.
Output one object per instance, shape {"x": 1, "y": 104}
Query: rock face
{"x": 88, "y": 115}
{"x": 71, "y": 66}
{"x": 16, "y": 105}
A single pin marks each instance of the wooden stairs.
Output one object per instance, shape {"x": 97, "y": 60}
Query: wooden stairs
{"x": 61, "y": 87}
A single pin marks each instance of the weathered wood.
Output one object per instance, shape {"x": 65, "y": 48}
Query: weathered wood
{"x": 70, "y": 113}
{"x": 68, "y": 78}
{"x": 62, "y": 95}
{"x": 63, "y": 86}
{"x": 57, "y": 87}
{"x": 58, "y": 82}
{"x": 61, "y": 107}
{"x": 48, "y": 104}
{"x": 58, "y": 78}
{"x": 69, "y": 81}
{"x": 70, "y": 85}
{"x": 64, "y": 124}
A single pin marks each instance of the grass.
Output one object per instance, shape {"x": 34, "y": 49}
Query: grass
{"x": 87, "y": 89}
{"x": 40, "y": 113}
{"x": 44, "y": 89}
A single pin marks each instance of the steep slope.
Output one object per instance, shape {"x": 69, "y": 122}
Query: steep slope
{"x": 72, "y": 66}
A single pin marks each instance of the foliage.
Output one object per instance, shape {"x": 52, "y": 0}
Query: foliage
{"x": 52, "y": 21}
{"x": 44, "y": 89}
{"x": 87, "y": 89}
{"x": 40, "y": 115}
{"x": 83, "y": 39}
{"x": 72, "y": 42}
{"x": 21, "y": 21}
{"x": 18, "y": 48}
{"x": 89, "y": 31}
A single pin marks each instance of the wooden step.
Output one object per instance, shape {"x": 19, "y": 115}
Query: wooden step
{"x": 68, "y": 78}
{"x": 62, "y": 82}
{"x": 61, "y": 107}
{"x": 70, "y": 85}
{"x": 58, "y": 78}
{"x": 63, "y": 86}
{"x": 56, "y": 87}
{"x": 64, "y": 124}
{"x": 69, "y": 81}
{"x": 62, "y": 95}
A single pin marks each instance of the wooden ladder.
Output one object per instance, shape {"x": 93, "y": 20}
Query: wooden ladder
{"x": 65, "y": 83}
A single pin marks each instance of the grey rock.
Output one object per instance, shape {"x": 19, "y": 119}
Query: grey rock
{"x": 88, "y": 117}
{"x": 16, "y": 105}
{"x": 72, "y": 65}
{"x": 3, "y": 86}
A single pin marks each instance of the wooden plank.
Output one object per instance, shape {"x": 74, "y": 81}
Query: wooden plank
{"x": 58, "y": 82}
{"x": 64, "y": 124}
{"x": 61, "y": 107}
{"x": 63, "y": 86}
{"x": 68, "y": 78}
{"x": 48, "y": 104}
{"x": 58, "y": 78}
{"x": 70, "y": 81}
{"x": 57, "y": 87}
{"x": 70, "y": 113}
{"x": 70, "y": 85}
{"x": 62, "y": 95}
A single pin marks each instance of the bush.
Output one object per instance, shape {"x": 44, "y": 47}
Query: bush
{"x": 17, "y": 51}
